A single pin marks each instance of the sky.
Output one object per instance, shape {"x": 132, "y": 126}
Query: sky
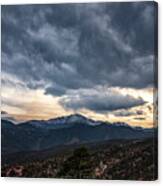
{"x": 94, "y": 59}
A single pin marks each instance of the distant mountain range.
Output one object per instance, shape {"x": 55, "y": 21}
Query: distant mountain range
{"x": 74, "y": 129}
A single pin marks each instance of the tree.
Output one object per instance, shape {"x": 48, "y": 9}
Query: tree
{"x": 78, "y": 165}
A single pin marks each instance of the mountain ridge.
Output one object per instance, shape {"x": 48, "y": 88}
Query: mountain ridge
{"x": 74, "y": 129}
{"x": 73, "y": 118}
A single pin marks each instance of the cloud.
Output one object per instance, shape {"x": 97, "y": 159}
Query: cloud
{"x": 3, "y": 112}
{"x": 126, "y": 113}
{"x": 13, "y": 102}
{"x": 100, "y": 100}
{"x": 67, "y": 47}
{"x": 5, "y": 115}
{"x": 140, "y": 118}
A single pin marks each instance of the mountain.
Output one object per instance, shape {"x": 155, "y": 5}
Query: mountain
{"x": 62, "y": 122}
{"x": 7, "y": 117}
{"x": 54, "y": 133}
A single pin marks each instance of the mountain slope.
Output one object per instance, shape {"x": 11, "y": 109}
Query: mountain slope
{"x": 73, "y": 129}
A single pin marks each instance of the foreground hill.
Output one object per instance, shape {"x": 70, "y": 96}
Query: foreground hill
{"x": 120, "y": 159}
{"x": 70, "y": 130}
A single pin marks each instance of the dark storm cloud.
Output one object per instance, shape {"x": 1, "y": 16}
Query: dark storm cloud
{"x": 68, "y": 47}
{"x": 70, "y": 50}
{"x": 100, "y": 101}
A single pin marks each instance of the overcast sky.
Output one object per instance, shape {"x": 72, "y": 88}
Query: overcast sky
{"x": 93, "y": 59}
